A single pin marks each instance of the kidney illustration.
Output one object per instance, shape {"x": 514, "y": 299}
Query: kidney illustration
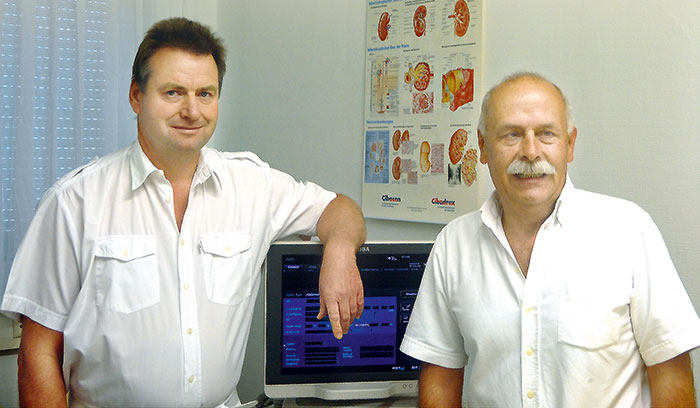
{"x": 458, "y": 87}
{"x": 419, "y": 76}
{"x": 419, "y": 20}
{"x": 383, "y": 27}
{"x": 461, "y": 18}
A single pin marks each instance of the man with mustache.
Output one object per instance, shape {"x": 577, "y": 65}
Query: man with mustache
{"x": 137, "y": 279}
{"x": 549, "y": 295}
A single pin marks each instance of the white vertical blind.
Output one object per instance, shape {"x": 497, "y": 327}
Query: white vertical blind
{"x": 52, "y": 109}
{"x": 65, "y": 67}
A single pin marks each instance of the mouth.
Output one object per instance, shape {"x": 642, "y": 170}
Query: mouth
{"x": 529, "y": 175}
{"x": 187, "y": 129}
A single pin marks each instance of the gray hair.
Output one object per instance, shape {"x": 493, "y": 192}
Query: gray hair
{"x": 512, "y": 78}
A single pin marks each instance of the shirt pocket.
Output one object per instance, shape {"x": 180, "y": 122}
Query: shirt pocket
{"x": 587, "y": 326}
{"x": 126, "y": 272}
{"x": 227, "y": 269}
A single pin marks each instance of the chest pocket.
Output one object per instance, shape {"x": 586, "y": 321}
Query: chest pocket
{"x": 227, "y": 269}
{"x": 584, "y": 326}
{"x": 126, "y": 273}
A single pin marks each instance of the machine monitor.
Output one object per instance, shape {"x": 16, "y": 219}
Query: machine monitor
{"x": 303, "y": 359}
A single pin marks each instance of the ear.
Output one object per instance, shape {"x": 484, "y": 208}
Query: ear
{"x": 135, "y": 97}
{"x": 482, "y": 152}
{"x": 572, "y": 142}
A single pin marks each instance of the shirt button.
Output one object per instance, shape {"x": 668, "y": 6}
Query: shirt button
{"x": 191, "y": 379}
{"x": 528, "y": 310}
{"x": 126, "y": 252}
{"x": 169, "y": 200}
{"x": 530, "y": 394}
{"x": 189, "y": 331}
{"x": 186, "y": 286}
{"x": 529, "y": 352}
{"x": 182, "y": 242}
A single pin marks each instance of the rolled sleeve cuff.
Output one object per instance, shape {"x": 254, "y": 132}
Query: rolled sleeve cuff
{"x": 326, "y": 199}
{"x": 428, "y": 354}
{"x": 15, "y": 306}
{"x": 679, "y": 343}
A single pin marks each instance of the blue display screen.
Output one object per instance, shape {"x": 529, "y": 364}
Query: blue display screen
{"x": 391, "y": 284}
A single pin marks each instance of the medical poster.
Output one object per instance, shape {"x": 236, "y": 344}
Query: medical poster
{"x": 422, "y": 93}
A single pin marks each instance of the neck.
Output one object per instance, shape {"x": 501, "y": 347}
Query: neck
{"x": 178, "y": 166}
{"x": 525, "y": 220}
{"x": 521, "y": 226}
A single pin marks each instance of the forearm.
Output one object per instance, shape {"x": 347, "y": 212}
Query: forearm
{"x": 342, "y": 224}
{"x": 440, "y": 387}
{"x": 671, "y": 383}
{"x": 40, "y": 377}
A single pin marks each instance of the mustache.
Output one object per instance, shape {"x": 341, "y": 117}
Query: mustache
{"x": 531, "y": 169}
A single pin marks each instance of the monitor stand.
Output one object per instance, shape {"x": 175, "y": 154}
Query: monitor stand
{"x": 397, "y": 402}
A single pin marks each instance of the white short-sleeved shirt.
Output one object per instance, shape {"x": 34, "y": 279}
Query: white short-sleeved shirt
{"x": 601, "y": 299}
{"x": 153, "y": 316}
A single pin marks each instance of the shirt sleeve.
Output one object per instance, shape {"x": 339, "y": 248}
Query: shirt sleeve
{"x": 433, "y": 332}
{"x": 44, "y": 280}
{"x": 296, "y": 207}
{"x": 664, "y": 319}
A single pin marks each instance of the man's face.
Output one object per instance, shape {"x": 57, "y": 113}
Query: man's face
{"x": 527, "y": 121}
{"x": 178, "y": 109}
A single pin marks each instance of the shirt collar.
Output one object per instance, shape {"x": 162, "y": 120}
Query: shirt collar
{"x": 491, "y": 210}
{"x": 141, "y": 167}
{"x": 210, "y": 164}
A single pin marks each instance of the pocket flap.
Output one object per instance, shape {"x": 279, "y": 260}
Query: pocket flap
{"x": 125, "y": 248}
{"x": 226, "y": 245}
{"x": 586, "y": 326}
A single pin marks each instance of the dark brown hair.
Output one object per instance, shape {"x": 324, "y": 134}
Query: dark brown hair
{"x": 179, "y": 33}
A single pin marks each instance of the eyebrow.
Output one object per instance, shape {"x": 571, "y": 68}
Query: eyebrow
{"x": 172, "y": 85}
{"x": 508, "y": 126}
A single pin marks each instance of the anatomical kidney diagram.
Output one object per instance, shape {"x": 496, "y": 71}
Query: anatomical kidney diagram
{"x": 383, "y": 26}
{"x": 468, "y": 159}
{"x": 419, "y": 76}
{"x": 419, "y": 20}
{"x": 461, "y": 18}
{"x": 400, "y": 137}
{"x": 458, "y": 87}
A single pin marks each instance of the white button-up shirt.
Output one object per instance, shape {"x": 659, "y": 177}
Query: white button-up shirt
{"x": 601, "y": 300}
{"x": 153, "y": 316}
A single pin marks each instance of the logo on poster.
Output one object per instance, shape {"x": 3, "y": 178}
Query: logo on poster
{"x": 444, "y": 201}
{"x": 390, "y": 199}
{"x": 390, "y": 202}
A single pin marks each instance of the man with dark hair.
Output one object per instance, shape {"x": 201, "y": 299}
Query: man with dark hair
{"x": 137, "y": 278}
{"x": 549, "y": 296}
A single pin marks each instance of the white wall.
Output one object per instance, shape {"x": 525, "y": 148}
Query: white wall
{"x": 629, "y": 69}
{"x": 294, "y": 93}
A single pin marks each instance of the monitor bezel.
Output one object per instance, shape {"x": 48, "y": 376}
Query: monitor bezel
{"x": 356, "y": 385}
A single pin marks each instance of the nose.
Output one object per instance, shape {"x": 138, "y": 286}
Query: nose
{"x": 529, "y": 147}
{"x": 190, "y": 108}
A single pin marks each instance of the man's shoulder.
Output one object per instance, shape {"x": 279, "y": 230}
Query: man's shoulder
{"x": 464, "y": 224}
{"x": 245, "y": 158}
{"x": 93, "y": 169}
{"x": 600, "y": 200}
{"x": 597, "y": 207}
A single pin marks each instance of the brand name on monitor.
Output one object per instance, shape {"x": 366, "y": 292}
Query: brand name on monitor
{"x": 363, "y": 249}
{"x": 391, "y": 199}
{"x": 444, "y": 201}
